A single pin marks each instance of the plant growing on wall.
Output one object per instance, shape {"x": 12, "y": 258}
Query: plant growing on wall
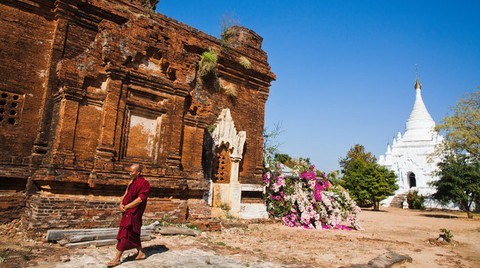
{"x": 211, "y": 128}
{"x": 228, "y": 20}
{"x": 245, "y": 62}
{"x": 150, "y": 4}
{"x": 230, "y": 91}
{"x": 208, "y": 63}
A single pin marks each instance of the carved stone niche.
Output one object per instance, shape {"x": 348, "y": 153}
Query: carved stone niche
{"x": 142, "y": 126}
{"x": 226, "y": 190}
{"x": 221, "y": 165}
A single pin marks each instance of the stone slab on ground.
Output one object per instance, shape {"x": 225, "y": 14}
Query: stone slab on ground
{"x": 162, "y": 257}
{"x": 173, "y": 230}
{"x": 386, "y": 260}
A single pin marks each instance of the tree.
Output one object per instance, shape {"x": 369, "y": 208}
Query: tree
{"x": 270, "y": 145}
{"x": 459, "y": 181}
{"x": 357, "y": 152}
{"x": 462, "y": 129}
{"x": 285, "y": 159}
{"x": 367, "y": 181}
{"x": 333, "y": 177}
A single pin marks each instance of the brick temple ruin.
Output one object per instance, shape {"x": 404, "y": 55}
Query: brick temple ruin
{"x": 88, "y": 87}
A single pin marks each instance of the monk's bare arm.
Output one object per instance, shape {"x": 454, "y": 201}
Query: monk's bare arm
{"x": 133, "y": 204}
{"x": 126, "y": 191}
{"x": 121, "y": 206}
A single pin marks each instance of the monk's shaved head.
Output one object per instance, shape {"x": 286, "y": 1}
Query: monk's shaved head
{"x": 137, "y": 167}
{"x": 135, "y": 170}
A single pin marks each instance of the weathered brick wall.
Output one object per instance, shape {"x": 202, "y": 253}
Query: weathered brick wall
{"x": 47, "y": 211}
{"x": 198, "y": 209}
{"x": 104, "y": 84}
{"x": 24, "y": 62}
{"x": 12, "y": 204}
{"x": 174, "y": 210}
{"x": 252, "y": 162}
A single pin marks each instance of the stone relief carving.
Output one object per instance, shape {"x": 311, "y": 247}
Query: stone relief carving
{"x": 226, "y": 133}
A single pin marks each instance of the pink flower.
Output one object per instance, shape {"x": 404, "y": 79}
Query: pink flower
{"x": 290, "y": 220}
{"x": 343, "y": 227}
{"x": 266, "y": 178}
{"x": 318, "y": 190}
{"x": 280, "y": 181}
{"x": 325, "y": 183}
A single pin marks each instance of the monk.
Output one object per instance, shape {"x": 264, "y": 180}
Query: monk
{"x": 132, "y": 206}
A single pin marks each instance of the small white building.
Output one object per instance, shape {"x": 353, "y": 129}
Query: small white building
{"x": 410, "y": 155}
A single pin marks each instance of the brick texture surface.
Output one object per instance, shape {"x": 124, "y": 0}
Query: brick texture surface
{"x": 89, "y": 87}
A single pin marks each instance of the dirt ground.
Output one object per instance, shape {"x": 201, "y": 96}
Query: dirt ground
{"x": 406, "y": 232}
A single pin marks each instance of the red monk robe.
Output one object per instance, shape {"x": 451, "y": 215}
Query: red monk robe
{"x": 131, "y": 223}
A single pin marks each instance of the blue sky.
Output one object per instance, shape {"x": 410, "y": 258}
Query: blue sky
{"x": 346, "y": 69}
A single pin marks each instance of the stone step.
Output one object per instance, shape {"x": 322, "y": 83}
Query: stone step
{"x": 397, "y": 201}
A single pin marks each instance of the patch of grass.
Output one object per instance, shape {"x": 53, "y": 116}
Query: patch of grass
{"x": 224, "y": 39}
{"x": 230, "y": 91}
{"x": 211, "y": 128}
{"x": 187, "y": 225}
{"x": 208, "y": 62}
{"x": 165, "y": 221}
{"x": 4, "y": 256}
{"x": 221, "y": 243}
{"x": 228, "y": 20}
{"x": 245, "y": 62}
{"x": 446, "y": 235}
{"x": 225, "y": 207}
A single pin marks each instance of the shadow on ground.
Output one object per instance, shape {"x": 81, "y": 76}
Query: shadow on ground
{"x": 149, "y": 251}
{"x": 371, "y": 209}
{"x": 443, "y": 216}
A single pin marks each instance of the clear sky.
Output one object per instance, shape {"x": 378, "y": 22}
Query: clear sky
{"x": 346, "y": 69}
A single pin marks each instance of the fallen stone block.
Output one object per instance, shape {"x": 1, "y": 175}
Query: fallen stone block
{"x": 172, "y": 230}
{"x": 55, "y": 234}
{"x": 386, "y": 260}
{"x": 99, "y": 243}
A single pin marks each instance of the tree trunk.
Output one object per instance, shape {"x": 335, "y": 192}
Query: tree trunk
{"x": 466, "y": 206}
{"x": 469, "y": 214}
{"x": 376, "y": 205}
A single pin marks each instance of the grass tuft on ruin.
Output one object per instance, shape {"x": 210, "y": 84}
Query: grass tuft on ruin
{"x": 208, "y": 63}
{"x": 245, "y": 62}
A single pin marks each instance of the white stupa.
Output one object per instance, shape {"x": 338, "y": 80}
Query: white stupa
{"x": 410, "y": 155}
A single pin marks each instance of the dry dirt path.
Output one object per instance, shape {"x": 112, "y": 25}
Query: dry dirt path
{"x": 405, "y": 232}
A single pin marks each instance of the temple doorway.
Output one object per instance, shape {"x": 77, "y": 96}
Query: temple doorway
{"x": 412, "y": 180}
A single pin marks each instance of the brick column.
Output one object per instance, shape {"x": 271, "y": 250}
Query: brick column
{"x": 106, "y": 147}
{"x": 65, "y": 135}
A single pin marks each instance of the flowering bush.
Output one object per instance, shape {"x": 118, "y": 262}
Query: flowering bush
{"x": 308, "y": 201}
